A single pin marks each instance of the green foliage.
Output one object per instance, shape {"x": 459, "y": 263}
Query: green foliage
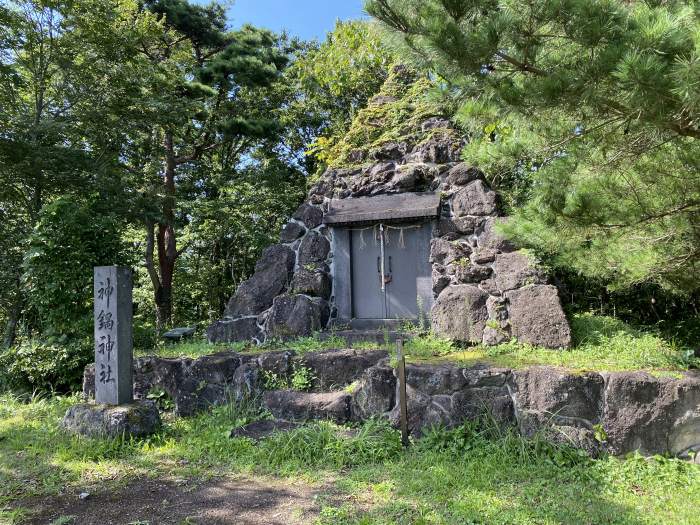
{"x": 599, "y": 343}
{"x": 407, "y": 105}
{"x": 209, "y": 116}
{"x": 54, "y": 364}
{"x": 67, "y": 78}
{"x": 69, "y": 240}
{"x": 337, "y": 79}
{"x": 274, "y": 381}
{"x": 324, "y": 445}
{"x": 512, "y": 481}
{"x": 301, "y": 378}
{"x": 584, "y": 113}
{"x": 315, "y": 343}
{"x": 351, "y": 64}
{"x": 643, "y": 304}
{"x": 484, "y": 432}
{"x": 229, "y": 226}
{"x": 427, "y": 346}
{"x": 161, "y": 398}
{"x": 192, "y": 350}
{"x": 156, "y": 115}
{"x": 599, "y": 433}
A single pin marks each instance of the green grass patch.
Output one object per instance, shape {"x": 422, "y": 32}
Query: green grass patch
{"x": 301, "y": 345}
{"x": 599, "y": 343}
{"x": 192, "y": 349}
{"x": 474, "y": 474}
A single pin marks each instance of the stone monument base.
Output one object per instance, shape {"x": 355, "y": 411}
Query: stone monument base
{"x": 138, "y": 419}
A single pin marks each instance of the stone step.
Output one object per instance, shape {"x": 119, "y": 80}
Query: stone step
{"x": 334, "y": 369}
{"x": 357, "y": 336}
{"x": 291, "y": 405}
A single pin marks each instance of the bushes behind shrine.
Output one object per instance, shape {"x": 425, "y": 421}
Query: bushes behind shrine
{"x": 54, "y": 340}
{"x": 49, "y": 365}
{"x": 72, "y": 237}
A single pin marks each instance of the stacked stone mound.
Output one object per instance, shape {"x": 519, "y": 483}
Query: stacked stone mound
{"x": 485, "y": 290}
{"x": 289, "y": 293}
{"x": 614, "y": 412}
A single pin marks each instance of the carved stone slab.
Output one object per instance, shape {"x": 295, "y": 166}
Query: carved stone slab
{"x": 113, "y": 335}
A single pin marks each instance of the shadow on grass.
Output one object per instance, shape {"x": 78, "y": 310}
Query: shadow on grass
{"x": 432, "y": 489}
{"x": 596, "y": 330}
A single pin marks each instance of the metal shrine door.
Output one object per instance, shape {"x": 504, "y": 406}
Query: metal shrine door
{"x": 395, "y": 255}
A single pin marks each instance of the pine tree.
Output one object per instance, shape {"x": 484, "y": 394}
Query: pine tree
{"x": 194, "y": 111}
{"x": 590, "y": 109}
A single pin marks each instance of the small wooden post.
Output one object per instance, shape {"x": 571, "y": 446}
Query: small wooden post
{"x": 403, "y": 409}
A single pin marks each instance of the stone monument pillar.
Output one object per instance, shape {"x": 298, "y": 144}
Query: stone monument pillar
{"x": 113, "y": 335}
{"x": 115, "y": 413}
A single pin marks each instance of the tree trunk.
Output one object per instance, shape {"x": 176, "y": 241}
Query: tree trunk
{"x": 166, "y": 239}
{"x": 13, "y": 321}
{"x": 163, "y": 294}
{"x": 164, "y": 307}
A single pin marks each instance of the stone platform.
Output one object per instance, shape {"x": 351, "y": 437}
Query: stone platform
{"x": 616, "y": 412}
{"x": 138, "y": 419}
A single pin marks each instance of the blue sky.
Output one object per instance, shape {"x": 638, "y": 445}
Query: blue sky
{"x": 303, "y": 18}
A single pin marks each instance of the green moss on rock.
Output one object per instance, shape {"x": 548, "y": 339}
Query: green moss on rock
{"x": 394, "y": 115}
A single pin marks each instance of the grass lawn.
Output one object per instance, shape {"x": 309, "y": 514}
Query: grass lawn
{"x": 469, "y": 475}
{"x": 599, "y": 343}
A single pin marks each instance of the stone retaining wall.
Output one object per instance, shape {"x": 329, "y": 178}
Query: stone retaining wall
{"x": 632, "y": 410}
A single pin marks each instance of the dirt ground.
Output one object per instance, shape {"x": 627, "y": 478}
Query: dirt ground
{"x": 241, "y": 501}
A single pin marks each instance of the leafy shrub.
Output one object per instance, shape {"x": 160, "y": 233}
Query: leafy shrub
{"x": 51, "y": 365}
{"x": 273, "y": 381}
{"x": 70, "y": 239}
{"x": 300, "y": 379}
{"x": 161, "y": 398}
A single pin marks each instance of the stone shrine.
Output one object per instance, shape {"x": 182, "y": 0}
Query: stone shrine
{"x": 403, "y": 232}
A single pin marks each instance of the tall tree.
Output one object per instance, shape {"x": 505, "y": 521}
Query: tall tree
{"x": 193, "y": 111}
{"x": 336, "y": 80}
{"x": 592, "y": 107}
{"x": 66, "y": 71}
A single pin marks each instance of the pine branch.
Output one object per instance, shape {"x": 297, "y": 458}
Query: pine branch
{"x": 522, "y": 66}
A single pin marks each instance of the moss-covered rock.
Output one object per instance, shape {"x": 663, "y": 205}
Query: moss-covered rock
{"x": 402, "y": 116}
